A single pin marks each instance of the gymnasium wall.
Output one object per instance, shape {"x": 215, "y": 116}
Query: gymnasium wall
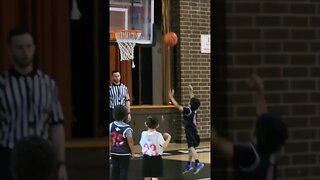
{"x": 279, "y": 40}
{"x": 190, "y": 19}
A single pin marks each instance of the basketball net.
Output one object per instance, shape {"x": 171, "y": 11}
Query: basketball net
{"x": 126, "y": 40}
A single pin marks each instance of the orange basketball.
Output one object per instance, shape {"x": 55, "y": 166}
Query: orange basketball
{"x": 170, "y": 39}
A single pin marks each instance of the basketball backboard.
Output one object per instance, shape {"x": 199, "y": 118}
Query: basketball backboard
{"x": 133, "y": 15}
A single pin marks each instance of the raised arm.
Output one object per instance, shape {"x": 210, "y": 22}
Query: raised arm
{"x": 257, "y": 85}
{"x": 175, "y": 103}
{"x": 191, "y": 91}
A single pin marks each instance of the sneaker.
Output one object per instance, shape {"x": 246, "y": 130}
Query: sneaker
{"x": 198, "y": 167}
{"x": 187, "y": 168}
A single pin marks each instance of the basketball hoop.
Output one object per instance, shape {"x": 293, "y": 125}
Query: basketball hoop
{"x": 126, "y": 40}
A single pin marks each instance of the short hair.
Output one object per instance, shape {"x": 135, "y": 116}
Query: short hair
{"x": 33, "y": 158}
{"x": 194, "y": 103}
{"x": 152, "y": 122}
{"x": 271, "y": 133}
{"x": 120, "y": 113}
{"x": 16, "y": 32}
{"x": 115, "y": 71}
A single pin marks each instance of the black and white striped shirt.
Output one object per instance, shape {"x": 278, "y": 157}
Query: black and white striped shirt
{"x": 118, "y": 95}
{"x": 29, "y": 105}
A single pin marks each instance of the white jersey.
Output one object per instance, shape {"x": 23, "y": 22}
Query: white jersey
{"x": 151, "y": 143}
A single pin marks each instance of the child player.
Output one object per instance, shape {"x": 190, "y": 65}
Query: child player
{"x": 190, "y": 124}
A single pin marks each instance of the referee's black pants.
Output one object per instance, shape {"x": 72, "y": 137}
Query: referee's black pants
{"x": 5, "y": 158}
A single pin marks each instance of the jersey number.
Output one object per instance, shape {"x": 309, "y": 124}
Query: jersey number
{"x": 152, "y": 148}
{"x": 117, "y": 139}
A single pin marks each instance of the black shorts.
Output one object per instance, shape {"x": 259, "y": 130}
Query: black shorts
{"x": 152, "y": 166}
{"x": 193, "y": 139}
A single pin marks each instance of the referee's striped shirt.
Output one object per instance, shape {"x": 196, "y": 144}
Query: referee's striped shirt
{"x": 29, "y": 105}
{"x": 118, "y": 95}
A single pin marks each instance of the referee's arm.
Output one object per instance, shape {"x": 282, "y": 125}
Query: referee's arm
{"x": 58, "y": 135}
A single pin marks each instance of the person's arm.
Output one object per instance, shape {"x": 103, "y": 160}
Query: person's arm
{"x": 131, "y": 145}
{"x": 175, "y": 103}
{"x": 191, "y": 91}
{"x": 128, "y": 105}
{"x": 223, "y": 146}
{"x": 257, "y": 85}
{"x": 58, "y": 142}
{"x": 57, "y": 135}
{"x": 167, "y": 138}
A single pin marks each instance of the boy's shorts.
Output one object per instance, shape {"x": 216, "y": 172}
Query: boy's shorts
{"x": 152, "y": 166}
{"x": 193, "y": 139}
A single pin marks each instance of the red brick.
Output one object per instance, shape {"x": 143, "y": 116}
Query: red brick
{"x": 296, "y": 147}
{"x": 269, "y": 72}
{"x": 294, "y": 98}
{"x": 276, "y": 59}
{"x": 295, "y": 21}
{"x": 295, "y": 72}
{"x": 303, "y": 59}
{"x": 315, "y": 121}
{"x": 276, "y": 85}
{"x": 275, "y": 34}
{"x": 242, "y": 20}
{"x": 239, "y": 47}
{"x": 302, "y": 8}
{"x": 267, "y": 47}
{"x": 296, "y": 122}
{"x": 267, "y": 21}
{"x": 246, "y": 111}
{"x": 247, "y": 59}
{"x": 295, "y": 46}
{"x": 247, "y": 8}
{"x": 306, "y": 134}
{"x": 303, "y": 34}
{"x": 238, "y": 124}
{"x": 303, "y": 109}
{"x": 239, "y": 99}
{"x": 273, "y": 98}
{"x": 247, "y": 34}
{"x": 239, "y": 73}
{"x": 303, "y": 84}
{"x": 273, "y": 8}
{"x": 294, "y": 172}
{"x": 315, "y": 146}
{"x": 315, "y": 71}
{"x": 315, "y": 46}
{"x": 279, "y": 110}
{"x": 315, "y": 21}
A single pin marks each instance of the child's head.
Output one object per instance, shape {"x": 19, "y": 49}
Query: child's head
{"x": 194, "y": 103}
{"x": 152, "y": 122}
{"x": 271, "y": 133}
{"x": 120, "y": 113}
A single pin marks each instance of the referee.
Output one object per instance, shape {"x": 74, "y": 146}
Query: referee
{"x": 29, "y": 104}
{"x": 118, "y": 95}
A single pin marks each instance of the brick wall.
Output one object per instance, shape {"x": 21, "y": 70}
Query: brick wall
{"x": 279, "y": 40}
{"x": 190, "y": 19}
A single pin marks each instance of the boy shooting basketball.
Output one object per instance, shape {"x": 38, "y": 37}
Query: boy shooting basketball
{"x": 190, "y": 124}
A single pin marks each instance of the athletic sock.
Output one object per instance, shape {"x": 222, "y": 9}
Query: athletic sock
{"x": 197, "y": 161}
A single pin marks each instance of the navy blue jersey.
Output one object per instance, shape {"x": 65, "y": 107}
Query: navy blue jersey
{"x": 119, "y": 143}
{"x": 250, "y": 165}
{"x": 190, "y": 118}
